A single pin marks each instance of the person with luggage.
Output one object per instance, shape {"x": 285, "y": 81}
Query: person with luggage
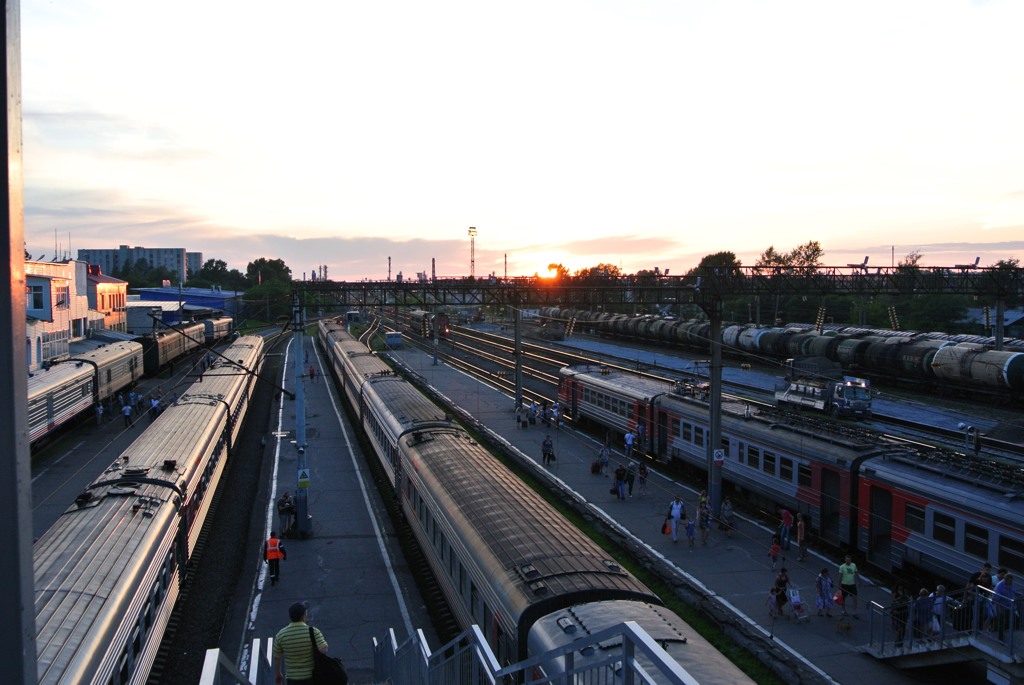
{"x": 547, "y": 450}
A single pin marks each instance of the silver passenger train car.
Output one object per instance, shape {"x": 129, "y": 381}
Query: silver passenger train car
{"x": 58, "y": 394}
{"x": 107, "y": 573}
{"x": 161, "y": 348}
{"x": 507, "y": 561}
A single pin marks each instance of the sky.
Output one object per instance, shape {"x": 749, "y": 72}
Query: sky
{"x": 635, "y": 133}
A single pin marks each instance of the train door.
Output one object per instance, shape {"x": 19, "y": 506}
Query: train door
{"x": 830, "y": 501}
{"x": 879, "y": 533}
{"x": 662, "y": 437}
{"x": 569, "y": 397}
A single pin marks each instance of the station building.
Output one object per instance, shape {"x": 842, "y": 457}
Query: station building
{"x": 62, "y": 306}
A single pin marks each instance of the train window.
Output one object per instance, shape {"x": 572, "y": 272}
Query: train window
{"x": 676, "y": 428}
{"x": 803, "y": 475}
{"x": 1011, "y": 553}
{"x": 976, "y": 540}
{"x": 698, "y": 436}
{"x": 741, "y": 453}
{"x": 754, "y": 457}
{"x": 462, "y": 580}
{"x": 474, "y": 600}
{"x": 768, "y": 465}
{"x": 687, "y": 432}
{"x": 725, "y": 446}
{"x": 944, "y": 528}
{"x": 786, "y": 469}
{"x": 914, "y": 517}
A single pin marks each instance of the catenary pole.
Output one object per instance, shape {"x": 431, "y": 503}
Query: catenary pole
{"x": 18, "y": 629}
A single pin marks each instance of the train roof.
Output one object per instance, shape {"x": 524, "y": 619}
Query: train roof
{"x": 44, "y": 380}
{"x": 701, "y": 660}
{"x": 402, "y": 405}
{"x": 536, "y": 559}
{"x": 620, "y": 382}
{"x": 85, "y": 566}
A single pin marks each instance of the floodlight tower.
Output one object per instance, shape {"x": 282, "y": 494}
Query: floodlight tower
{"x": 472, "y": 252}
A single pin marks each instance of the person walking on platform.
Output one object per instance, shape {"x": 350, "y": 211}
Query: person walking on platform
{"x": 547, "y": 450}
{"x": 293, "y": 651}
{"x": 273, "y": 553}
{"x": 630, "y": 477}
{"x": 823, "y": 586}
{"x": 604, "y": 456}
{"x": 774, "y": 551}
{"x": 643, "y": 472}
{"x": 785, "y": 527}
{"x": 801, "y": 539}
{"x": 676, "y": 511}
{"x": 312, "y": 374}
{"x": 849, "y": 578}
{"x": 630, "y": 437}
{"x": 127, "y": 412}
{"x": 99, "y": 413}
{"x": 727, "y": 517}
{"x": 1004, "y": 605}
{"x": 620, "y": 482}
{"x": 922, "y": 615}
{"x": 704, "y": 523}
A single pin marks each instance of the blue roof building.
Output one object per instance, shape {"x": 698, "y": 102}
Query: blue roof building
{"x": 227, "y": 301}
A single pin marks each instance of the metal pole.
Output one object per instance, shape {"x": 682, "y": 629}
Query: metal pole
{"x": 17, "y": 636}
{"x": 302, "y": 518}
{"x": 714, "y": 445}
{"x": 518, "y": 321}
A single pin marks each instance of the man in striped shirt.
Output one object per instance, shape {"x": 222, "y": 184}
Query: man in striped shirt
{"x": 292, "y": 645}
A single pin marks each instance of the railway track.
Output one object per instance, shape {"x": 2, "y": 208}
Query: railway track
{"x": 541, "y": 362}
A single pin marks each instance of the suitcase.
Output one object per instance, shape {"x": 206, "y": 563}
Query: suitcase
{"x": 595, "y": 467}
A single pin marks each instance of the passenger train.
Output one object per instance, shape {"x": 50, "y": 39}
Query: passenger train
{"x": 62, "y": 391}
{"x": 505, "y": 559}
{"x": 65, "y": 389}
{"x": 904, "y": 509}
{"x": 957, "y": 360}
{"x": 108, "y": 572}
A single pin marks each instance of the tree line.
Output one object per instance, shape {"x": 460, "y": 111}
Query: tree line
{"x": 945, "y": 313}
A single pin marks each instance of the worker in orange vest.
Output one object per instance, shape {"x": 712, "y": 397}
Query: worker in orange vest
{"x": 273, "y": 553}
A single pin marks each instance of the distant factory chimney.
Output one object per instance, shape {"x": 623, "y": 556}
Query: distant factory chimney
{"x": 472, "y": 252}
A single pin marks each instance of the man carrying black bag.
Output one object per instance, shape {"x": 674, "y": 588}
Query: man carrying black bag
{"x": 303, "y": 647}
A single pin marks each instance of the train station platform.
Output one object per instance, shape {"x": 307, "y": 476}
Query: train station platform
{"x": 733, "y": 572}
{"x": 349, "y": 568}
